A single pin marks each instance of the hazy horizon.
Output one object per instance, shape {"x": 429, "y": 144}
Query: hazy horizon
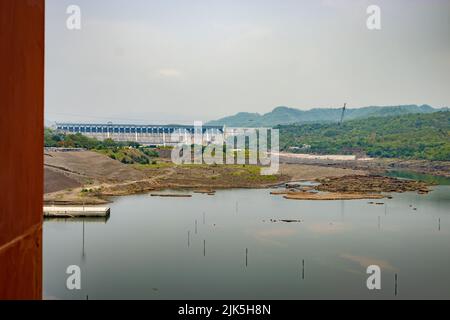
{"x": 177, "y": 61}
{"x": 143, "y": 121}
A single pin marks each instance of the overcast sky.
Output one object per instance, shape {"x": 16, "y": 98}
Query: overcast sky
{"x": 183, "y": 60}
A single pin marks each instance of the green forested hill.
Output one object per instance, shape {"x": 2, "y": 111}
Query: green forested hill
{"x": 412, "y": 136}
{"x": 285, "y": 115}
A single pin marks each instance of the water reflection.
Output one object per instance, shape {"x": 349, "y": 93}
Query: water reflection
{"x": 155, "y": 248}
{"x": 103, "y": 220}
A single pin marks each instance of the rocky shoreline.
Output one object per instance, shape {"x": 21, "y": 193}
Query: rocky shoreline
{"x": 370, "y": 184}
{"x": 92, "y": 179}
{"x": 352, "y": 187}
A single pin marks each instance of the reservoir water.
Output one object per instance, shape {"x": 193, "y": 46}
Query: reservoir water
{"x": 227, "y": 247}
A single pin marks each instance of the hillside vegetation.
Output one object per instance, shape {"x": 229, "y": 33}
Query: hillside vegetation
{"x": 411, "y": 136}
{"x": 285, "y": 115}
{"x": 125, "y": 152}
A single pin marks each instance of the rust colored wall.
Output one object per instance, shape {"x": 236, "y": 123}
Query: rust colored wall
{"x": 21, "y": 147}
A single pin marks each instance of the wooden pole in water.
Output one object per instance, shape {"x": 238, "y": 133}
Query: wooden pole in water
{"x": 439, "y": 224}
{"x": 204, "y": 248}
{"x": 395, "y": 284}
{"x": 303, "y": 268}
{"x": 246, "y": 257}
{"x": 83, "y": 240}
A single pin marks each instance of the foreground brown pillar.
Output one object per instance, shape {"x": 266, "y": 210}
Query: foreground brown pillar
{"x": 21, "y": 147}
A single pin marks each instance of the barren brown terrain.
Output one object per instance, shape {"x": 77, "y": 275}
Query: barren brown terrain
{"x": 89, "y": 177}
{"x": 56, "y": 179}
{"x": 87, "y": 166}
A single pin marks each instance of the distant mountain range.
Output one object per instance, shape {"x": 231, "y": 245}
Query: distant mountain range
{"x": 286, "y": 115}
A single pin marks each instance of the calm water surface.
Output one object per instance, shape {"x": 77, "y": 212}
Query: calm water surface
{"x": 195, "y": 248}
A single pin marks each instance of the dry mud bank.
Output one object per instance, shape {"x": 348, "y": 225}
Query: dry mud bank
{"x": 352, "y": 187}
{"x": 91, "y": 178}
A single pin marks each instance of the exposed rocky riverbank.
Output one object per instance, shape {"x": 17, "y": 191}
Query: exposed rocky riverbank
{"x": 352, "y": 187}
{"x": 92, "y": 178}
{"x": 370, "y": 184}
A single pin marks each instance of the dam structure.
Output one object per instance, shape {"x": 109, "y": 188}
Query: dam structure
{"x": 161, "y": 135}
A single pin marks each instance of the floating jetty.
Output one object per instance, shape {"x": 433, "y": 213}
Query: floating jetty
{"x": 75, "y": 211}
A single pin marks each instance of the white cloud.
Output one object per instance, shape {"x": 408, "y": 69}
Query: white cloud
{"x": 170, "y": 73}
